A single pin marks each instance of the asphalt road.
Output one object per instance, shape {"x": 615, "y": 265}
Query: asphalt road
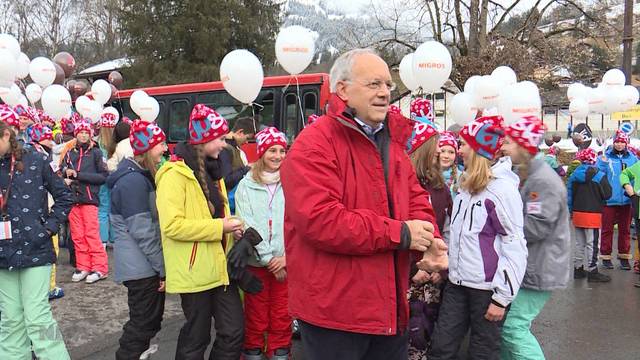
{"x": 586, "y": 321}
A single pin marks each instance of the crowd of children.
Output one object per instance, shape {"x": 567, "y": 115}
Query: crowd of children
{"x": 502, "y": 210}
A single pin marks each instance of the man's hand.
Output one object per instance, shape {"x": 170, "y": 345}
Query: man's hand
{"x": 494, "y": 313}
{"x": 276, "y": 264}
{"x": 421, "y": 234}
{"x": 420, "y": 277}
{"x": 435, "y": 258}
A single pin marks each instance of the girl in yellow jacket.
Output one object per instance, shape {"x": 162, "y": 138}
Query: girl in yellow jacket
{"x": 196, "y": 231}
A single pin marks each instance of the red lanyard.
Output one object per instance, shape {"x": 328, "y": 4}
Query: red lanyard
{"x": 5, "y": 192}
{"x": 272, "y": 195}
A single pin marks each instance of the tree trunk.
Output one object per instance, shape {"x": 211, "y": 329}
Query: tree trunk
{"x": 473, "y": 28}
{"x": 482, "y": 35}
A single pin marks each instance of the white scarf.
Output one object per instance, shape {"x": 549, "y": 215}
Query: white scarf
{"x": 270, "y": 178}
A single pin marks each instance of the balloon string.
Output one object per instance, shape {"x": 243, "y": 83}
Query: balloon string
{"x": 304, "y": 125}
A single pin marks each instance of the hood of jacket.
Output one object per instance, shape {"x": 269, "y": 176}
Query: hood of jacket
{"x": 502, "y": 172}
{"x": 126, "y": 167}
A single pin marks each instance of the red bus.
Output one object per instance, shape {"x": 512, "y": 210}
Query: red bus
{"x": 283, "y": 102}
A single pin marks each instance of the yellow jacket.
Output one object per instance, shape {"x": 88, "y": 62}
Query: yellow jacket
{"x": 191, "y": 239}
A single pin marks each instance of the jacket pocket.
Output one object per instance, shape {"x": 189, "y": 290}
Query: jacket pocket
{"x": 457, "y": 212}
{"x": 507, "y": 280}
{"x": 192, "y": 258}
{"x": 471, "y": 216}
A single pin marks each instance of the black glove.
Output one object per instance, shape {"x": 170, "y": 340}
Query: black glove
{"x": 242, "y": 250}
{"x": 249, "y": 283}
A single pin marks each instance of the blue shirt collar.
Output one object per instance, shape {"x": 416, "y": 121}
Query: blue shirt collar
{"x": 369, "y": 130}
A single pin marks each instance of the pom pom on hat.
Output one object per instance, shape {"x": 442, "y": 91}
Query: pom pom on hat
{"x": 205, "y": 124}
{"x": 269, "y": 137}
{"x": 421, "y": 108}
{"x": 144, "y": 136}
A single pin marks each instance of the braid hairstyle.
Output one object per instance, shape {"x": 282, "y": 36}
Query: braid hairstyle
{"x": 201, "y": 176}
{"x": 454, "y": 176}
{"x": 15, "y": 147}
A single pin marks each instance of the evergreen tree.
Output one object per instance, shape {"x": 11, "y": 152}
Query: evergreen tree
{"x": 182, "y": 41}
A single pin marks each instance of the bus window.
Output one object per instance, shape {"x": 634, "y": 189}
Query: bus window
{"x": 179, "y": 120}
{"x": 291, "y": 116}
{"x": 161, "y": 120}
{"x": 310, "y": 104}
{"x": 232, "y": 109}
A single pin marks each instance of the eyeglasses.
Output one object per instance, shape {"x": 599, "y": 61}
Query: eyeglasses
{"x": 376, "y": 84}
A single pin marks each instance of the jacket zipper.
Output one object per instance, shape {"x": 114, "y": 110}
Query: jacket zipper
{"x": 457, "y": 212}
{"x": 192, "y": 259}
{"x": 507, "y": 280}
{"x": 472, "y": 208}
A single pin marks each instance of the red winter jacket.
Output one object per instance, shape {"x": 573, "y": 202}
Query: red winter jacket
{"x": 344, "y": 268}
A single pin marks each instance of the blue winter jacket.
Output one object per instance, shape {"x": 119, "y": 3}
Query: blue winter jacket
{"x": 32, "y": 222}
{"x": 134, "y": 223}
{"x": 612, "y": 166}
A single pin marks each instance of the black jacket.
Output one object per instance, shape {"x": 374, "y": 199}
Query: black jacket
{"x": 231, "y": 173}
{"x": 87, "y": 160}
{"x": 28, "y": 210}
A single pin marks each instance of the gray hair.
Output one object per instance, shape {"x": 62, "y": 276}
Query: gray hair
{"x": 341, "y": 69}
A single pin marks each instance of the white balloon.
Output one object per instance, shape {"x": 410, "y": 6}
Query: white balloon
{"x": 23, "y": 66}
{"x": 295, "y": 47}
{"x": 42, "y": 71}
{"x": 530, "y": 88}
{"x": 95, "y": 111}
{"x": 22, "y": 100}
{"x": 487, "y": 92}
{"x": 579, "y": 108}
{"x": 242, "y": 75}
{"x": 149, "y": 109}
{"x": 505, "y": 75}
{"x": 101, "y": 91}
{"x": 83, "y": 105}
{"x": 596, "y": 97}
{"x": 11, "y": 95}
{"x": 10, "y": 43}
{"x": 462, "y": 109}
{"x": 8, "y": 68}
{"x": 519, "y": 100}
{"x": 137, "y": 99}
{"x": 631, "y": 96}
{"x": 614, "y": 99}
{"x": 33, "y": 92}
{"x": 470, "y": 84}
{"x": 614, "y": 77}
{"x": 576, "y": 90}
{"x": 431, "y": 65}
{"x": 111, "y": 110}
{"x": 406, "y": 72}
{"x": 56, "y": 101}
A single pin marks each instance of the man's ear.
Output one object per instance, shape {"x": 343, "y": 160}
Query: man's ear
{"x": 341, "y": 91}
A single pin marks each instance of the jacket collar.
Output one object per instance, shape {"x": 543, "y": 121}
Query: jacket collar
{"x": 399, "y": 127}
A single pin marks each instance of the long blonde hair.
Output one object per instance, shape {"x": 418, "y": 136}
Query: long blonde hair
{"x": 146, "y": 162}
{"x": 106, "y": 140}
{"x": 257, "y": 169}
{"x": 477, "y": 174}
{"x": 425, "y": 162}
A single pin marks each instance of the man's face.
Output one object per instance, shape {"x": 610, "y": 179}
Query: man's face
{"x": 619, "y": 146}
{"x": 242, "y": 137}
{"x": 368, "y": 91}
{"x": 511, "y": 148}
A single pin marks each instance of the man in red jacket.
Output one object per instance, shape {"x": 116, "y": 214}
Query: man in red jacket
{"x": 354, "y": 210}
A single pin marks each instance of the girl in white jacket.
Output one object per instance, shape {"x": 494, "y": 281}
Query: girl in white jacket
{"x": 487, "y": 249}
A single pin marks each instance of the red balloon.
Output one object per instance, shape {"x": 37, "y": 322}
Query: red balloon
{"x": 116, "y": 79}
{"x": 548, "y": 141}
{"x": 59, "y": 75}
{"x": 557, "y": 138}
{"x": 66, "y": 62}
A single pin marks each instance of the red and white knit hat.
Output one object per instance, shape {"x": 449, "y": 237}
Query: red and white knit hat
{"x": 144, "y": 136}
{"x": 621, "y": 136}
{"x": 394, "y": 109}
{"x": 422, "y": 132}
{"x": 485, "y": 135}
{"x": 46, "y": 119}
{"x": 26, "y": 112}
{"x": 527, "y": 132}
{"x": 108, "y": 120}
{"x": 269, "y": 137}
{"x": 205, "y": 124}
{"x": 586, "y": 156}
{"x": 421, "y": 108}
{"x": 9, "y": 116}
{"x": 447, "y": 138}
{"x": 40, "y": 132}
{"x": 83, "y": 124}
